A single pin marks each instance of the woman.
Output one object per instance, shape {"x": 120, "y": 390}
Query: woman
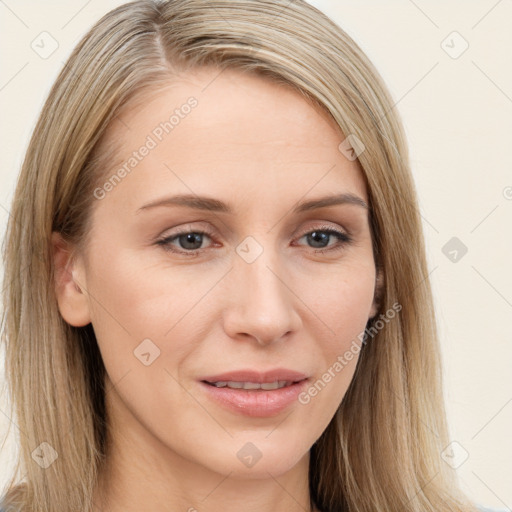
{"x": 215, "y": 276}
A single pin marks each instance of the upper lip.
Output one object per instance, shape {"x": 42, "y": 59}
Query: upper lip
{"x": 277, "y": 374}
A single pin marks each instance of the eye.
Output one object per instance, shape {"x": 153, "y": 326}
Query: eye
{"x": 321, "y": 236}
{"x": 190, "y": 241}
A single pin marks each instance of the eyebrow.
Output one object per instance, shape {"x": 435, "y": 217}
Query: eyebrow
{"x": 214, "y": 205}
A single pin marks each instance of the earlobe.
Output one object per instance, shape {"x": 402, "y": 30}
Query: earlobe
{"x": 69, "y": 284}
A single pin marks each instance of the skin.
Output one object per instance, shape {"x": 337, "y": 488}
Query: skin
{"x": 261, "y": 148}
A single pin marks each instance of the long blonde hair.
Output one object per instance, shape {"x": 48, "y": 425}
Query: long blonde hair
{"x": 382, "y": 449}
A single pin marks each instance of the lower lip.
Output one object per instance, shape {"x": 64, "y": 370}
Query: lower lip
{"x": 255, "y": 402}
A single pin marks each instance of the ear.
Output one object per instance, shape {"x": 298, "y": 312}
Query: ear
{"x": 69, "y": 283}
{"x": 378, "y": 293}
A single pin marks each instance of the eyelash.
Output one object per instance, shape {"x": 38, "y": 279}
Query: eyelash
{"x": 343, "y": 238}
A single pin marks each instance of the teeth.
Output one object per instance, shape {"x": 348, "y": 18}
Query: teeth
{"x": 253, "y": 385}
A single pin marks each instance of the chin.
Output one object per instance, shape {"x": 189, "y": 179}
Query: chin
{"x": 257, "y": 459}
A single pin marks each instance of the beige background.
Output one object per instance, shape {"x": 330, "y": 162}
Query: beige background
{"x": 457, "y": 109}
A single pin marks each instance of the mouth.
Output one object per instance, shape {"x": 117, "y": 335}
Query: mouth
{"x": 244, "y": 385}
{"x": 253, "y": 394}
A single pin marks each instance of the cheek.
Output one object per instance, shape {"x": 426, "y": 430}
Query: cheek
{"x": 138, "y": 298}
{"x": 144, "y": 333}
{"x": 147, "y": 317}
{"x": 341, "y": 309}
{"x": 341, "y": 299}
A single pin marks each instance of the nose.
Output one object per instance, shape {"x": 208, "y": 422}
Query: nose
{"x": 262, "y": 305}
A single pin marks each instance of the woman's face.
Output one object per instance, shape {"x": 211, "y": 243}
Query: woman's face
{"x": 243, "y": 288}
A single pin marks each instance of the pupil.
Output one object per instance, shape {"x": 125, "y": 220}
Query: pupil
{"x": 318, "y": 234}
{"x": 191, "y": 238}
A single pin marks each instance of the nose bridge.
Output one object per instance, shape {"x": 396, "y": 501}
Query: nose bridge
{"x": 262, "y": 304}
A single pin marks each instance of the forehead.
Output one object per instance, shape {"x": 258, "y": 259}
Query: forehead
{"x": 217, "y": 132}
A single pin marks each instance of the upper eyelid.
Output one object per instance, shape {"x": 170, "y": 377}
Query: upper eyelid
{"x": 324, "y": 224}
{"x": 211, "y": 233}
